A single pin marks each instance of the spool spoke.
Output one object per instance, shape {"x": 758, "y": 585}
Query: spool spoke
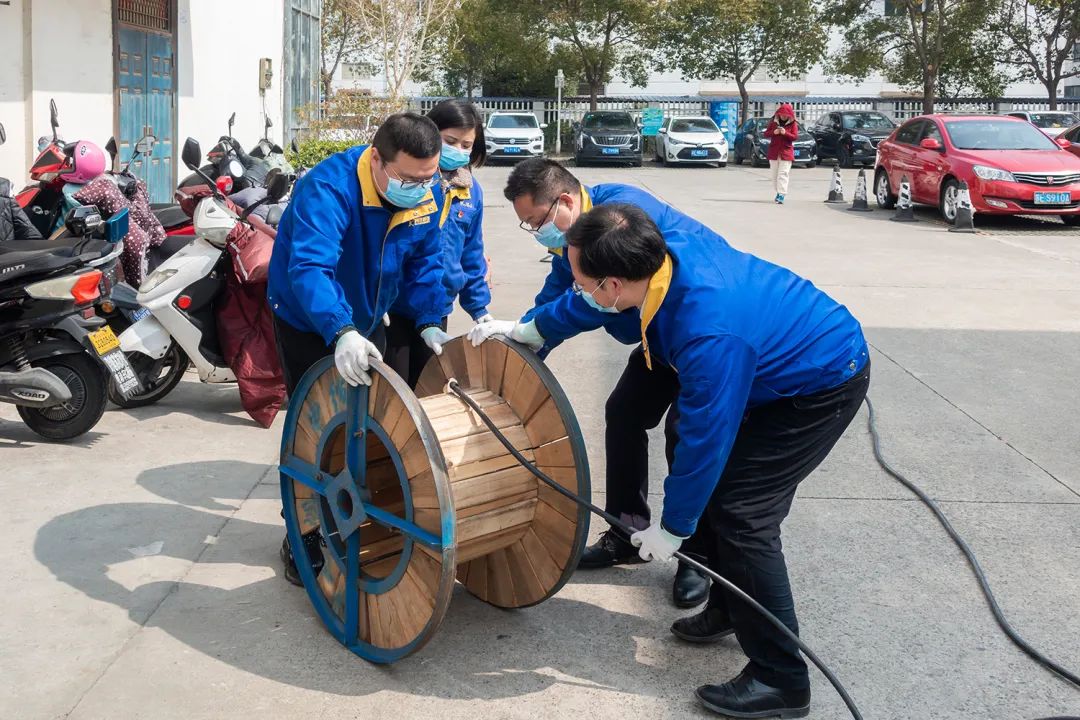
{"x": 356, "y": 437}
{"x": 403, "y": 526}
{"x": 352, "y": 588}
{"x": 304, "y": 473}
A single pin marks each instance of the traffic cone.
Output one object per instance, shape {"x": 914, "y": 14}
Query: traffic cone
{"x": 859, "y": 204}
{"x": 836, "y": 188}
{"x": 904, "y": 210}
{"x": 964, "y": 222}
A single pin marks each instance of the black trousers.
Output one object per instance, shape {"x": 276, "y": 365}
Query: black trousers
{"x": 406, "y": 352}
{"x": 635, "y": 406}
{"x": 299, "y": 350}
{"x": 777, "y": 446}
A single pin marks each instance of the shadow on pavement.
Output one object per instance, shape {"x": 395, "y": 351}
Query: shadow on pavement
{"x": 217, "y": 403}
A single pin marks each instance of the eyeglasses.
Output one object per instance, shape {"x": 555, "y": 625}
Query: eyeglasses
{"x": 534, "y": 230}
{"x": 427, "y": 184}
{"x": 578, "y": 290}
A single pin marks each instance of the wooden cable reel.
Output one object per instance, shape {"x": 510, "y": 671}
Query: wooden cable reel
{"x": 400, "y": 496}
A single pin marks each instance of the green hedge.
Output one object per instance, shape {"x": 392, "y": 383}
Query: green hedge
{"x": 313, "y": 151}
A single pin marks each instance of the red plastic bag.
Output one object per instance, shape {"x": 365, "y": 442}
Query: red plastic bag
{"x": 250, "y": 250}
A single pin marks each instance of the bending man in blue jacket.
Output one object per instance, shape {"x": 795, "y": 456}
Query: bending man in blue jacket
{"x": 548, "y": 199}
{"x": 771, "y": 372}
{"x": 362, "y": 225}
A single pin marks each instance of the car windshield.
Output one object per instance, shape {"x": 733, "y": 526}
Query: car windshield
{"x": 694, "y": 125}
{"x": 607, "y": 120}
{"x": 867, "y": 121}
{"x": 511, "y": 122}
{"x": 1053, "y": 120}
{"x": 996, "y": 135}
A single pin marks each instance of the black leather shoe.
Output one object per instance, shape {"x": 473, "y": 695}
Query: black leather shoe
{"x": 690, "y": 588}
{"x": 708, "y": 626}
{"x": 610, "y": 549}
{"x": 314, "y": 548}
{"x": 745, "y": 697}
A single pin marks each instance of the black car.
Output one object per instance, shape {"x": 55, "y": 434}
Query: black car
{"x": 751, "y": 144}
{"x": 851, "y": 136}
{"x": 607, "y": 136}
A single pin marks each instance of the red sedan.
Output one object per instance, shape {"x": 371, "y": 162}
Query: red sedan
{"x": 1010, "y": 166}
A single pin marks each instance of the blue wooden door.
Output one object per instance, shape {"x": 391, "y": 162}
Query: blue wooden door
{"x": 146, "y": 72}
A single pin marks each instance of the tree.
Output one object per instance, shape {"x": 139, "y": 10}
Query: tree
{"x": 343, "y": 38}
{"x": 1039, "y": 37}
{"x": 735, "y": 38}
{"x": 920, "y": 43}
{"x": 407, "y": 35}
{"x": 599, "y": 34}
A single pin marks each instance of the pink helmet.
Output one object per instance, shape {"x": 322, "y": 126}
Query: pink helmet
{"x": 85, "y": 161}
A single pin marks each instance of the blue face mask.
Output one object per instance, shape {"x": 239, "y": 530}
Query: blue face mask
{"x": 405, "y": 197}
{"x": 550, "y": 236}
{"x": 452, "y": 157}
{"x": 595, "y": 305}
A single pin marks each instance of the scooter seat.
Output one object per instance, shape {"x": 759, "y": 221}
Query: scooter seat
{"x": 22, "y": 258}
{"x": 171, "y": 216}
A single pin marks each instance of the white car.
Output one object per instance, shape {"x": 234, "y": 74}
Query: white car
{"x": 692, "y": 140}
{"x": 514, "y": 135}
{"x": 1051, "y": 122}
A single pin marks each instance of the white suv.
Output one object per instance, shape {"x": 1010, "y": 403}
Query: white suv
{"x": 514, "y": 135}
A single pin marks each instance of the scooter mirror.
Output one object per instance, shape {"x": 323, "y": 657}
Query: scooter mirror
{"x": 232, "y": 120}
{"x": 3, "y": 134}
{"x": 191, "y": 154}
{"x": 54, "y": 116}
{"x": 236, "y": 169}
{"x": 277, "y": 187}
{"x": 295, "y": 146}
{"x": 110, "y": 147}
{"x": 145, "y": 146}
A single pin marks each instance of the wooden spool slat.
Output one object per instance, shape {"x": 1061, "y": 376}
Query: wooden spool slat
{"x": 510, "y": 539}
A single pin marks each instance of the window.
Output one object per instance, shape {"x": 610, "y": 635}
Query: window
{"x": 910, "y": 132}
{"x": 1076, "y": 52}
{"x": 867, "y": 121}
{"x": 990, "y": 134}
{"x": 1053, "y": 120}
{"x": 146, "y": 14}
{"x": 930, "y": 130}
{"x": 303, "y": 20}
{"x": 891, "y": 10}
{"x": 512, "y": 122}
{"x": 594, "y": 121}
{"x": 694, "y": 125}
{"x": 357, "y": 70}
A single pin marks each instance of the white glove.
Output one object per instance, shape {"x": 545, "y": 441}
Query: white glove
{"x": 435, "y": 338}
{"x": 386, "y": 319}
{"x": 525, "y": 333}
{"x": 656, "y": 543}
{"x": 485, "y": 318}
{"x": 352, "y": 356}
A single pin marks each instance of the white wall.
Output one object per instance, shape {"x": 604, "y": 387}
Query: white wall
{"x": 219, "y": 44}
{"x": 13, "y": 155}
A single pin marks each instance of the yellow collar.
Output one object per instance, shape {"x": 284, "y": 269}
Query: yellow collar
{"x": 453, "y": 193}
{"x": 370, "y": 197}
{"x": 659, "y": 284}
{"x": 586, "y": 206}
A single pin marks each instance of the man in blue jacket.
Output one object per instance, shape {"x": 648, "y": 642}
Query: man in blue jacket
{"x": 771, "y": 371}
{"x": 362, "y": 225}
{"x": 548, "y": 199}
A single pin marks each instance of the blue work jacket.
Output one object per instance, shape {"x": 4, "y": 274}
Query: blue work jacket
{"x": 464, "y": 265}
{"x": 740, "y": 332}
{"x": 341, "y": 258}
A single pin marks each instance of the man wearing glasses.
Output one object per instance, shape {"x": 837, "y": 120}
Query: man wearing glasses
{"x": 362, "y": 225}
{"x": 548, "y": 199}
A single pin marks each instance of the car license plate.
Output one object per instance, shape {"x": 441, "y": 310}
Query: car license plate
{"x": 512, "y": 150}
{"x": 139, "y": 314}
{"x": 104, "y": 340}
{"x": 699, "y": 153}
{"x": 798, "y": 153}
{"x": 124, "y": 375}
{"x": 1053, "y": 198}
{"x": 610, "y": 151}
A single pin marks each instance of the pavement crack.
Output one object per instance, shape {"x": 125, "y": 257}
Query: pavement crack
{"x": 973, "y": 419}
{"x": 175, "y": 586}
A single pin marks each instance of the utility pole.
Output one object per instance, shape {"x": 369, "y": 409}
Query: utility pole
{"x": 560, "y": 80}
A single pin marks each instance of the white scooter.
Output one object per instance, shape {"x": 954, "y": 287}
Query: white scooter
{"x": 181, "y": 293}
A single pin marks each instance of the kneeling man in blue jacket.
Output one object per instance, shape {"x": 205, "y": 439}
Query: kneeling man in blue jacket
{"x": 771, "y": 371}
{"x": 362, "y": 226}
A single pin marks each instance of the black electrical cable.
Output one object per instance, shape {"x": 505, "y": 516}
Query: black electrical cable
{"x": 960, "y": 543}
{"x": 615, "y": 522}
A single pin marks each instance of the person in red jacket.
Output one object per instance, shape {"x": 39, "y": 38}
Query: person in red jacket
{"x": 782, "y": 132}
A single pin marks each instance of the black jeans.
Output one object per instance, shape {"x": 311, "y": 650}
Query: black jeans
{"x": 777, "y": 446}
{"x": 299, "y": 350}
{"x": 635, "y": 406}
{"x": 406, "y": 352}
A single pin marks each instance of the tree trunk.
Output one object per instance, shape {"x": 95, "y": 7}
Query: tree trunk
{"x": 1051, "y": 92}
{"x": 744, "y": 106}
{"x": 327, "y": 86}
{"x": 594, "y": 91}
{"x": 929, "y": 90}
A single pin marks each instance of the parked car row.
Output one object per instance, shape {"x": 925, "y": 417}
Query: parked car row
{"x": 751, "y": 144}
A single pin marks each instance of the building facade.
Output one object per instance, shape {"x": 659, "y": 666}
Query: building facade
{"x": 171, "y": 68}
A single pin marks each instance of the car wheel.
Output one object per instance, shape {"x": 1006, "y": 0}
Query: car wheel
{"x": 950, "y": 194}
{"x": 811, "y": 164}
{"x": 1071, "y": 220}
{"x": 721, "y": 165}
{"x": 843, "y": 158}
{"x": 636, "y": 163}
{"x": 738, "y": 158}
{"x": 579, "y": 161}
{"x": 883, "y": 191}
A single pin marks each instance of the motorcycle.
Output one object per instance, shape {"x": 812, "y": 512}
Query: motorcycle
{"x": 55, "y": 352}
{"x": 44, "y": 202}
{"x": 182, "y": 294}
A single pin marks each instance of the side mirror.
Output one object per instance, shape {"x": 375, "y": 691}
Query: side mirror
{"x": 110, "y": 147}
{"x": 662, "y": 131}
{"x": 294, "y": 146}
{"x": 266, "y": 127}
{"x": 930, "y": 144}
{"x": 191, "y": 154}
{"x": 232, "y": 121}
{"x": 1063, "y": 141}
{"x": 3, "y": 134}
{"x": 145, "y": 146}
{"x": 54, "y": 116}
{"x": 543, "y": 126}
{"x": 278, "y": 186}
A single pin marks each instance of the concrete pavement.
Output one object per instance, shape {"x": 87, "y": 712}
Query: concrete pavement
{"x": 975, "y": 380}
